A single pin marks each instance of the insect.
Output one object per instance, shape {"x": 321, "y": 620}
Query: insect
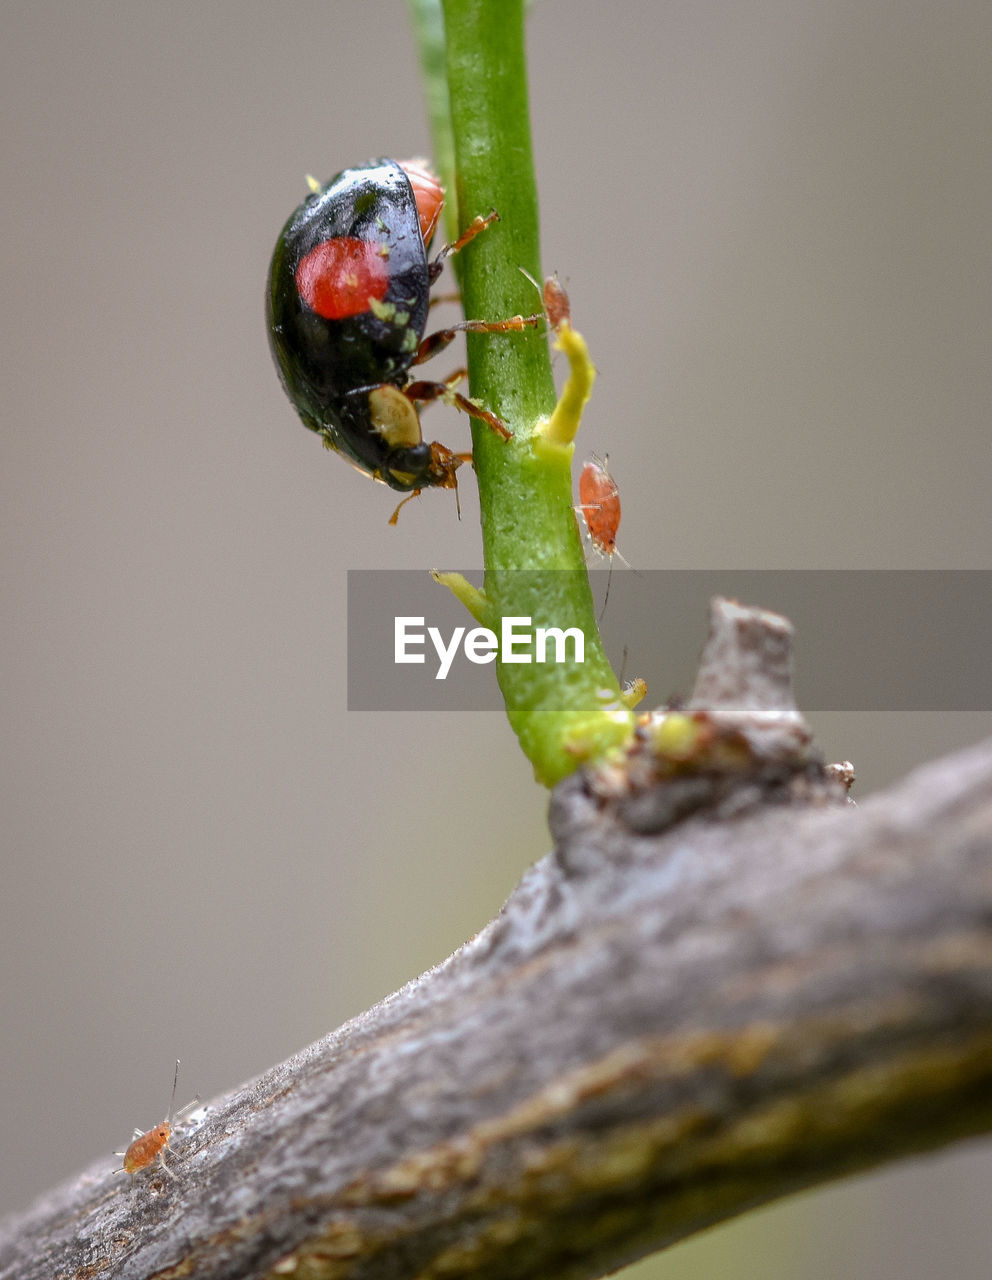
{"x": 145, "y": 1148}
{"x": 554, "y": 299}
{"x": 557, "y": 307}
{"x": 599, "y": 502}
{"x": 347, "y": 300}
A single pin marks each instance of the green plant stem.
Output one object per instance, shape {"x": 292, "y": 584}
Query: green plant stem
{"x": 562, "y": 712}
{"x": 428, "y": 27}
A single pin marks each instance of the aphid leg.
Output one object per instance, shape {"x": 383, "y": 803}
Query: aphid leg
{"x": 186, "y": 1109}
{"x": 162, "y": 1165}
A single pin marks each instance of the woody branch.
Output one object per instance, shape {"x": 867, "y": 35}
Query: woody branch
{"x": 676, "y": 1016}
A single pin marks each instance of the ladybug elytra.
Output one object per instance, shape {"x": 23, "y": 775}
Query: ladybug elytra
{"x": 347, "y": 303}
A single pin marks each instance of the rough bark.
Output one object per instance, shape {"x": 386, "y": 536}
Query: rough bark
{"x": 686, "y": 1009}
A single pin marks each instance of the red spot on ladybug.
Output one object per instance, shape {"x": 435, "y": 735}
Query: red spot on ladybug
{"x": 342, "y": 277}
{"x": 599, "y": 502}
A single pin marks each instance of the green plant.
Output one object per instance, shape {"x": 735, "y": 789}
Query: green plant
{"x": 474, "y": 61}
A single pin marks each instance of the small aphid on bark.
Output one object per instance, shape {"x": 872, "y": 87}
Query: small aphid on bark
{"x": 147, "y": 1148}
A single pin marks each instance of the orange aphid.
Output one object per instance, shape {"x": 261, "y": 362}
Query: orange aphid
{"x": 599, "y": 502}
{"x": 554, "y": 299}
{"x": 147, "y": 1147}
{"x": 557, "y": 307}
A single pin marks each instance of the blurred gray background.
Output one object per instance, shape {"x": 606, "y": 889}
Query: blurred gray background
{"x": 775, "y": 222}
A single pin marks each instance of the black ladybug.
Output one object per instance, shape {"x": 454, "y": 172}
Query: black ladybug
{"x": 349, "y": 288}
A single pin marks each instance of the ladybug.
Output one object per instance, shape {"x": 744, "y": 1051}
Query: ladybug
{"x": 347, "y": 302}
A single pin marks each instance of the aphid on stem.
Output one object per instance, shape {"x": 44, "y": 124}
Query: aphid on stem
{"x": 557, "y": 307}
{"x": 554, "y": 299}
{"x": 599, "y": 502}
{"x": 147, "y": 1148}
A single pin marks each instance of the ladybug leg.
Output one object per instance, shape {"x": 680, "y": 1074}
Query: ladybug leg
{"x": 451, "y": 381}
{"x": 437, "y": 299}
{"x": 443, "y": 473}
{"x": 409, "y": 498}
{"x": 477, "y": 225}
{"x": 425, "y": 392}
{"x": 393, "y": 519}
{"x": 435, "y": 342}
